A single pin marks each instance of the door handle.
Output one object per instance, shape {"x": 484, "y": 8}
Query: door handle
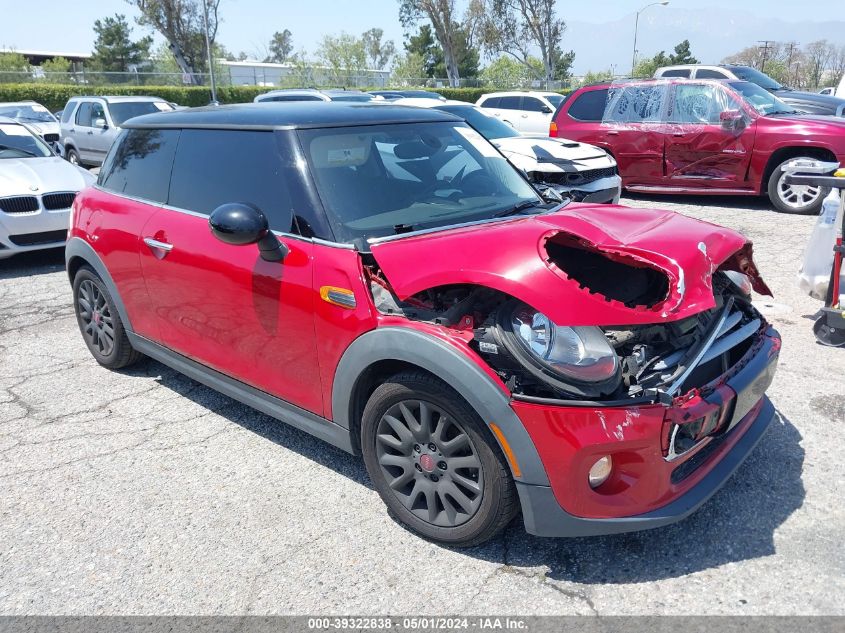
{"x": 524, "y": 116}
{"x": 90, "y": 133}
{"x": 613, "y": 132}
{"x": 160, "y": 249}
{"x": 678, "y": 134}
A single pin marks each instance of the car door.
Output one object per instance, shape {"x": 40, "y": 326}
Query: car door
{"x": 709, "y": 137}
{"x": 223, "y": 305}
{"x": 633, "y": 128}
{"x": 535, "y": 116}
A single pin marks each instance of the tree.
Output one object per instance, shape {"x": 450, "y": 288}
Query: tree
{"x": 682, "y": 54}
{"x": 14, "y": 67}
{"x": 343, "y": 54}
{"x": 56, "y": 70}
{"x": 441, "y": 14}
{"x": 114, "y": 50}
{"x": 378, "y": 53}
{"x": 517, "y": 27}
{"x": 409, "y": 70}
{"x": 505, "y": 72}
{"x": 646, "y": 66}
{"x": 181, "y": 23}
{"x": 467, "y": 58}
{"x": 423, "y": 45}
{"x": 281, "y": 47}
{"x": 819, "y": 55}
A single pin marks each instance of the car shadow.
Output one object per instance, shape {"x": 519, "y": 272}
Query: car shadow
{"x": 756, "y": 203}
{"x": 33, "y": 263}
{"x": 737, "y": 524}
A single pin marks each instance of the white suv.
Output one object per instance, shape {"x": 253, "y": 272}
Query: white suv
{"x": 528, "y": 112}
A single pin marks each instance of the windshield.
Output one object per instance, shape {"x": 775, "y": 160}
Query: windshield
{"x": 384, "y": 180}
{"x": 761, "y": 100}
{"x": 487, "y": 125}
{"x": 756, "y": 77}
{"x": 122, "y": 112}
{"x": 17, "y": 142}
{"x": 554, "y": 99}
{"x": 30, "y": 112}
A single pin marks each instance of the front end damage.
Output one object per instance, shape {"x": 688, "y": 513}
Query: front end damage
{"x": 634, "y": 405}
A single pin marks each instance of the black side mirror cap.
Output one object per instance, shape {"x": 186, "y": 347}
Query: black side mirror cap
{"x": 240, "y": 224}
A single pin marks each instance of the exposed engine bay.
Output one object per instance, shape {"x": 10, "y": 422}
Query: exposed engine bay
{"x": 539, "y": 359}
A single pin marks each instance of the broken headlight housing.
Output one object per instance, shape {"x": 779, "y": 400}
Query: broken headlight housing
{"x": 574, "y": 360}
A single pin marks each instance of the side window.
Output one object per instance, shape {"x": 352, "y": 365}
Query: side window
{"x": 636, "y": 104}
{"x": 700, "y": 104}
{"x": 589, "y": 106}
{"x": 676, "y": 72}
{"x": 67, "y": 113}
{"x": 98, "y": 115}
{"x": 83, "y": 114}
{"x": 511, "y": 103}
{"x": 492, "y": 102}
{"x": 532, "y": 104}
{"x": 139, "y": 164}
{"x": 707, "y": 73}
{"x": 215, "y": 167}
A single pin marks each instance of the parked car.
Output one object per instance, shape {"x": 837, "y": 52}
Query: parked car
{"x": 830, "y": 90}
{"x": 36, "y": 117}
{"x": 89, "y": 125}
{"x": 581, "y": 172}
{"x": 382, "y": 278}
{"x": 528, "y": 112}
{"x": 702, "y": 137}
{"x": 393, "y": 95}
{"x": 309, "y": 94}
{"x": 36, "y": 191}
{"x": 810, "y": 102}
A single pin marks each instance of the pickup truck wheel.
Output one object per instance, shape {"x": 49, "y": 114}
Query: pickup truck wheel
{"x": 798, "y": 199}
{"x": 72, "y": 156}
{"x": 100, "y": 323}
{"x": 434, "y": 462}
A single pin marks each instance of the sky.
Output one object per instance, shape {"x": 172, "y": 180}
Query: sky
{"x": 247, "y": 25}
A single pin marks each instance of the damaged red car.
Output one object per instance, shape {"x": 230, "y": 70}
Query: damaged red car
{"x": 383, "y": 279}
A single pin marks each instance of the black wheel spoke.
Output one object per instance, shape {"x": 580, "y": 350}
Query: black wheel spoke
{"x": 429, "y": 462}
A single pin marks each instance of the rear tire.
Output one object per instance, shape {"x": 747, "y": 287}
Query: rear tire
{"x": 72, "y": 156}
{"x": 99, "y": 322}
{"x": 796, "y": 199}
{"x": 434, "y": 462}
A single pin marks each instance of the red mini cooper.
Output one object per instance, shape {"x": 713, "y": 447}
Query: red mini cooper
{"x": 382, "y": 278}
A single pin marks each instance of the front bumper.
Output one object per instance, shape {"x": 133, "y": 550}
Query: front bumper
{"x": 36, "y": 230}
{"x": 646, "y": 490}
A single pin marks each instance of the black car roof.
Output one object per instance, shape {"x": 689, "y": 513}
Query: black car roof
{"x": 288, "y": 115}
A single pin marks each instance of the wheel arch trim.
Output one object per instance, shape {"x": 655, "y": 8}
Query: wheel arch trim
{"x": 447, "y": 363}
{"x": 77, "y": 248}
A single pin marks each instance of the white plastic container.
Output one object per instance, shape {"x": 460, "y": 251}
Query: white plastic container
{"x": 814, "y": 276}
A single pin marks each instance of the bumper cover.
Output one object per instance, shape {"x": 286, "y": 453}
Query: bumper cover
{"x": 543, "y": 515}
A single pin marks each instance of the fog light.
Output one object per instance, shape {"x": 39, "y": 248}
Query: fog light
{"x": 600, "y": 471}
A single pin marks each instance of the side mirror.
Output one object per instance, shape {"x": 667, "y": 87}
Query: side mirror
{"x": 101, "y": 123}
{"x": 240, "y": 224}
{"x": 546, "y": 109}
{"x": 731, "y": 119}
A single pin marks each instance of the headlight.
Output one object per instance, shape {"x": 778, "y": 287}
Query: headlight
{"x": 574, "y": 359}
{"x": 739, "y": 280}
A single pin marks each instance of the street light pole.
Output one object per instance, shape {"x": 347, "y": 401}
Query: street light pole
{"x": 208, "y": 51}
{"x": 636, "y": 28}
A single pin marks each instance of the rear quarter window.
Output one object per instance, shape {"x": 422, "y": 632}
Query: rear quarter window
{"x": 707, "y": 73}
{"x": 139, "y": 164}
{"x": 676, "y": 72}
{"x": 589, "y": 105}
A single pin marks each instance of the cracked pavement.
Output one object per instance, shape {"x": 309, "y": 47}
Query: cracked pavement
{"x": 143, "y": 492}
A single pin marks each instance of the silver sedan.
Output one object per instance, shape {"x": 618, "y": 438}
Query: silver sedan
{"x": 37, "y": 189}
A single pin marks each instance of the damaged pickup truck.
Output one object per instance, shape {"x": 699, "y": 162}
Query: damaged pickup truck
{"x": 412, "y": 299}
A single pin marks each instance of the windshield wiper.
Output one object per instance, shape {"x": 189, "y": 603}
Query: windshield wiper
{"x": 18, "y": 149}
{"x": 516, "y": 210}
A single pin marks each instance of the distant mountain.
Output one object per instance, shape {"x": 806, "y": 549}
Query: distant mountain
{"x": 713, "y": 35}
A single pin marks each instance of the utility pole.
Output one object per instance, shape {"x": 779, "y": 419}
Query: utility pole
{"x": 208, "y": 50}
{"x": 766, "y": 47}
{"x": 792, "y": 47}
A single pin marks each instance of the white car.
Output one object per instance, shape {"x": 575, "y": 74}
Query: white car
{"x": 37, "y": 118}
{"x": 528, "y": 112}
{"x": 310, "y": 94}
{"x": 37, "y": 189}
{"x": 579, "y": 171}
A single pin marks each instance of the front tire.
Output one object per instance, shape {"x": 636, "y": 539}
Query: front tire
{"x": 434, "y": 462}
{"x": 796, "y": 199}
{"x": 72, "y": 156}
{"x": 99, "y": 322}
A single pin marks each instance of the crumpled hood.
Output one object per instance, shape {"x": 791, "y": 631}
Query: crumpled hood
{"x": 545, "y": 154}
{"x": 18, "y": 176}
{"x": 511, "y": 256}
